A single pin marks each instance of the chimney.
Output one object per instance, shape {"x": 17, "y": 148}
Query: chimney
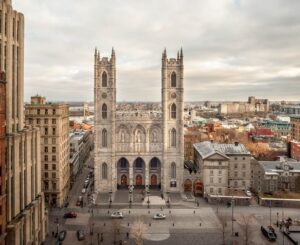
{"x": 211, "y": 141}
{"x": 236, "y": 143}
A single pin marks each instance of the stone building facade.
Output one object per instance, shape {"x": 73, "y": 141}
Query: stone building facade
{"x": 2, "y": 158}
{"x": 53, "y": 121}
{"x": 25, "y": 212}
{"x": 222, "y": 167}
{"x": 141, "y": 148}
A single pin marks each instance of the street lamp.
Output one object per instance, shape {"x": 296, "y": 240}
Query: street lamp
{"x": 168, "y": 201}
{"x": 148, "y": 194}
{"x": 232, "y": 204}
{"x": 270, "y": 204}
{"x": 110, "y": 201}
{"x": 130, "y": 199}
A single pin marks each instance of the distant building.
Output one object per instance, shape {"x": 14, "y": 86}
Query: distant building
{"x": 295, "y": 128}
{"x": 280, "y": 128}
{"x": 290, "y": 109}
{"x": 280, "y": 175}
{"x": 223, "y": 167}
{"x": 53, "y": 120}
{"x": 295, "y": 150}
{"x": 261, "y": 134}
{"x": 253, "y": 105}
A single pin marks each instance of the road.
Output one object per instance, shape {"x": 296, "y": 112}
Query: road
{"x": 185, "y": 224}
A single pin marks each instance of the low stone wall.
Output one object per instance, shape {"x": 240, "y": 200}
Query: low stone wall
{"x": 278, "y": 202}
{"x": 224, "y": 200}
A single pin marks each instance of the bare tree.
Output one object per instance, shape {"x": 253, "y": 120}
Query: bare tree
{"x": 223, "y": 225}
{"x": 138, "y": 231}
{"x": 245, "y": 224}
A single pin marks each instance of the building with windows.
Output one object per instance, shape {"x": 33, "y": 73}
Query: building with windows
{"x": 222, "y": 167}
{"x": 280, "y": 128}
{"x": 280, "y": 175}
{"x": 295, "y": 128}
{"x": 25, "y": 215}
{"x": 2, "y": 157}
{"x": 53, "y": 121}
{"x": 141, "y": 148}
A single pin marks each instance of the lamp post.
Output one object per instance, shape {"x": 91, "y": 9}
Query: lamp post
{"x": 168, "y": 201}
{"x": 232, "y": 219}
{"x": 110, "y": 201}
{"x": 148, "y": 194}
{"x": 130, "y": 199}
{"x": 270, "y": 204}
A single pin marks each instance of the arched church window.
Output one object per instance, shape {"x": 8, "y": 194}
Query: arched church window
{"x": 123, "y": 163}
{"x": 173, "y": 137}
{"x": 173, "y": 79}
{"x": 154, "y": 137}
{"x": 173, "y": 111}
{"x": 104, "y": 170}
{"x": 104, "y": 79}
{"x": 104, "y": 111}
{"x": 173, "y": 170}
{"x": 139, "y": 163}
{"x": 104, "y": 138}
{"x": 154, "y": 163}
{"x": 138, "y": 136}
{"x": 122, "y": 136}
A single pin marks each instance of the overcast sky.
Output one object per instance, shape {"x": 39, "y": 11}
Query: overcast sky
{"x": 232, "y": 48}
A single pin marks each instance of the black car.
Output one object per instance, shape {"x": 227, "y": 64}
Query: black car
{"x": 62, "y": 235}
{"x": 268, "y": 234}
{"x": 80, "y": 235}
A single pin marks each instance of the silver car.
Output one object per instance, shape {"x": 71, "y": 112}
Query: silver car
{"x": 159, "y": 216}
{"x": 117, "y": 215}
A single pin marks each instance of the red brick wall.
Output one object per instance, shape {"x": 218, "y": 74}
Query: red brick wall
{"x": 295, "y": 150}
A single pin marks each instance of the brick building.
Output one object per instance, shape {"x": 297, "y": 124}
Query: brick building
{"x": 295, "y": 128}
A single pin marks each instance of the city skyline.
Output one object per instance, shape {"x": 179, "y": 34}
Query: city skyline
{"x": 233, "y": 45}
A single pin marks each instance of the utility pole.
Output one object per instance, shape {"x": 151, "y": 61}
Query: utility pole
{"x": 232, "y": 204}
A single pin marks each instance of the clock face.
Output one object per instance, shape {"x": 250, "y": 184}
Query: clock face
{"x": 286, "y": 167}
{"x": 173, "y": 95}
{"x": 104, "y": 95}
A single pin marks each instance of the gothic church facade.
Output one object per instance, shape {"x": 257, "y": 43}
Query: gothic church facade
{"x": 140, "y": 148}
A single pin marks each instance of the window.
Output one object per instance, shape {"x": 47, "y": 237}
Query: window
{"x": 123, "y": 163}
{"x": 45, "y": 141}
{"x": 46, "y": 174}
{"x": 173, "y": 79}
{"x": 38, "y": 121}
{"x": 54, "y": 111}
{"x": 244, "y": 174}
{"x": 53, "y": 175}
{"x": 173, "y": 137}
{"x": 235, "y": 158}
{"x": 154, "y": 163}
{"x": 211, "y": 180}
{"x": 46, "y": 131}
{"x": 220, "y": 180}
{"x": 46, "y": 121}
{"x": 38, "y": 111}
{"x": 220, "y": 163}
{"x": 244, "y": 166}
{"x": 139, "y": 163}
{"x": 53, "y": 149}
{"x": 53, "y": 131}
{"x": 104, "y": 111}
{"x": 235, "y": 174}
{"x": 46, "y": 111}
{"x": 53, "y": 158}
{"x": 46, "y": 166}
{"x": 53, "y": 185}
{"x": 53, "y": 141}
{"x": 173, "y": 170}
{"x": 211, "y": 172}
{"x": 243, "y": 183}
{"x": 46, "y": 149}
{"x": 104, "y": 138}
{"x": 104, "y": 79}
{"x": 220, "y": 190}
{"x": 46, "y": 158}
{"x": 235, "y": 166}
{"x": 220, "y": 172}
{"x": 211, "y": 190}
{"x": 104, "y": 171}
{"x": 53, "y": 166}
{"x": 173, "y": 111}
{"x": 53, "y": 121}
{"x": 235, "y": 183}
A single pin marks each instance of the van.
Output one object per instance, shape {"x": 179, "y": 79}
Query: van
{"x": 268, "y": 234}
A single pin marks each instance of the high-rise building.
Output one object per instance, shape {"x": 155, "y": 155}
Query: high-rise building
{"x": 53, "y": 121}
{"x": 142, "y": 148}
{"x": 2, "y": 157}
{"x": 25, "y": 211}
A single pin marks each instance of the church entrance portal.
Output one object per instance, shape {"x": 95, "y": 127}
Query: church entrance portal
{"x": 124, "y": 181}
{"x": 153, "y": 180}
{"x": 138, "y": 180}
{"x": 187, "y": 185}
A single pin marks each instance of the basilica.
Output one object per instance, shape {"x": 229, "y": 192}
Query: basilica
{"x": 140, "y": 148}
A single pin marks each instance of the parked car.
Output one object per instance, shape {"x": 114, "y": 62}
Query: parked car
{"x": 70, "y": 215}
{"x": 80, "y": 235}
{"x": 58, "y": 243}
{"x": 83, "y": 191}
{"x": 117, "y": 215}
{"x": 268, "y": 234}
{"x": 159, "y": 216}
{"x": 62, "y": 235}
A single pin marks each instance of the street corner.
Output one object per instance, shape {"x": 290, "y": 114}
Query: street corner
{"x": 82, "y": 219}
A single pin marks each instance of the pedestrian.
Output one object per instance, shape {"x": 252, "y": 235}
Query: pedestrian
{"x": 280, "y": 226}
{"x": 53, "y": 233}
{"x": 127, "y": 235}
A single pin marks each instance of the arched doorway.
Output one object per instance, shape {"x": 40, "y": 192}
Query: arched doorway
{"x": 124, "y": 180}
{"x": 155, "y": 173}
{"x": 153, "y": 180}
{"x": 198, "y": 188}
{"x": 188, "y": 185}
{"x": 138, "y": 180}
{"x": 123, "y": 172}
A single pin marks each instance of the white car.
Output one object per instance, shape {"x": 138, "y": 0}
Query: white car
{"x": 117, "y": 215}
{"x": 83, "y": 191}
{"x": 248, "y": 193}
{"x": 159, "y": 216}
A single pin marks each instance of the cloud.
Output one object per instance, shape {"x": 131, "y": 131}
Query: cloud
{"x": 244, "y": 47}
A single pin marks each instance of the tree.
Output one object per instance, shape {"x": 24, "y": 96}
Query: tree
{"x": 223, "y": 225}
{"x": 138, "y": 231}
{"x": 245, "y": 224}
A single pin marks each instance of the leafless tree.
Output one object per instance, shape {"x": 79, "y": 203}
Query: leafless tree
{"x": 245, "y": 224}
{"x": 223, "y": 225}
{"x": 138, "y": 231}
